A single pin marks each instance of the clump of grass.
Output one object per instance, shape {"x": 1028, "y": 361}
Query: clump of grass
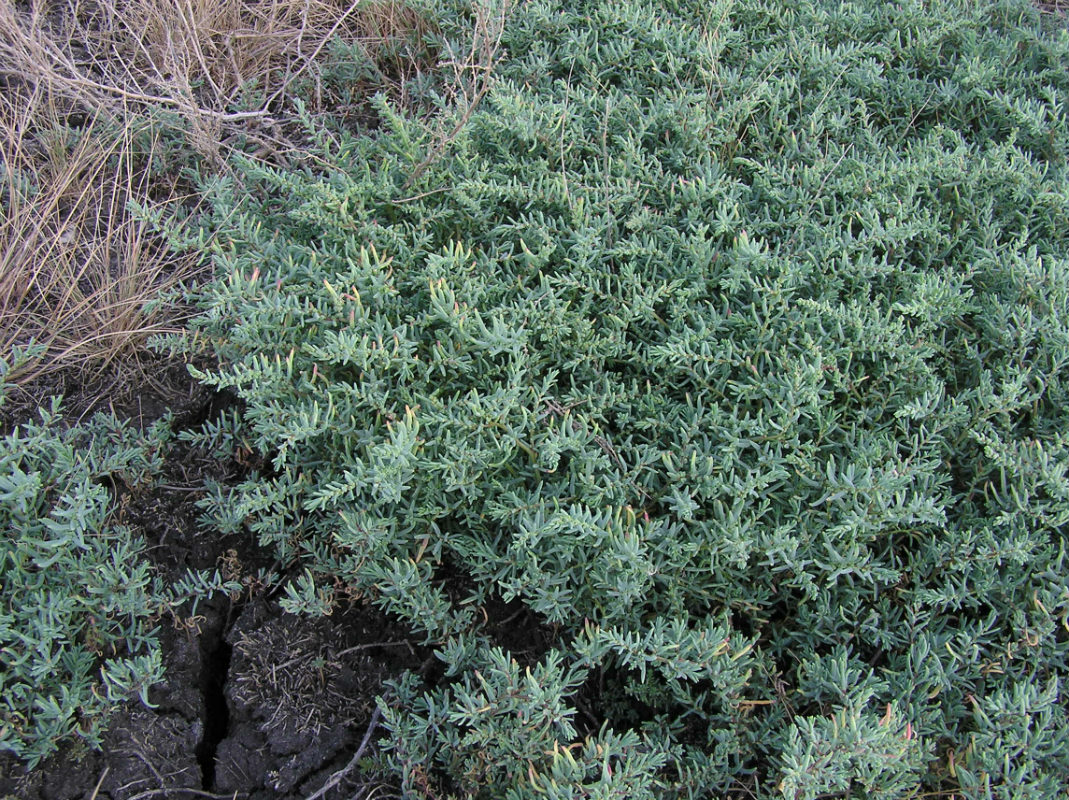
{"x": 78, "y": 269}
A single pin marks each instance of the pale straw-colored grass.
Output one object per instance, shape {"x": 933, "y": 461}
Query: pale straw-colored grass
{"x": 77, "y": 267}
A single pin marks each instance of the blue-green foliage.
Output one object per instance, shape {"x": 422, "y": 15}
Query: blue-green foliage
{"x": 79, "y": 601}
{"x": 730, "y": 338}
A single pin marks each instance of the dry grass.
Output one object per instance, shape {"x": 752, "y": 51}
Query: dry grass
{"x": 77, "y": 268}
{"x": 78, "y": 81}
{"x": 227, "y": 67}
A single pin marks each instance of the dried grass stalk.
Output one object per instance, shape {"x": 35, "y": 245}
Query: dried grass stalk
{"x": 77, "y": 267}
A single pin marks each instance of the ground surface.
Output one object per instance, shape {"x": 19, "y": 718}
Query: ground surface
{"x": 257, "y": 703}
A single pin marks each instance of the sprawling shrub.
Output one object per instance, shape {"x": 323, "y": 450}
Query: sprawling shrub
{"x": 79, "y": 601}
{"x": 729, "y": 340}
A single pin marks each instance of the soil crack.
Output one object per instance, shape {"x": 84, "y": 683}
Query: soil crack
{"x": 215, "y": 653}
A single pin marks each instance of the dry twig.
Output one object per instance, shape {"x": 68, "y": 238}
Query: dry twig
{"x": 338, "y": 776}
{"x": 481, "y": 63}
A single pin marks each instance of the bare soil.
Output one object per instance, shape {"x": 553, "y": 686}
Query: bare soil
{"x": 256, "y": 703}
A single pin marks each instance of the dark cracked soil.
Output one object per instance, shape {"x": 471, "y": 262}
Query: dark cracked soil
{"x": 256, "y": 703}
